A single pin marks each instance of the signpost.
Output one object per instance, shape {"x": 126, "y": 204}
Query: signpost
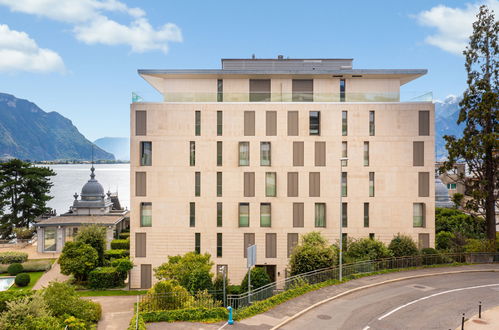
{"x": 223, "y": 270}
{"x": 251, "y": 262}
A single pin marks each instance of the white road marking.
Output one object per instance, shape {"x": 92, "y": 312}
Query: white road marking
{"x": 223, "y": 326}
{"x": 366, "y": 327}
{"x": 434, "y": 295}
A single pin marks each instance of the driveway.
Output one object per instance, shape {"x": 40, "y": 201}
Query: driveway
{"x": 117, "y": 311}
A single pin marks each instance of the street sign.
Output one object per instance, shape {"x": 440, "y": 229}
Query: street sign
{"x": 251, "y": 256}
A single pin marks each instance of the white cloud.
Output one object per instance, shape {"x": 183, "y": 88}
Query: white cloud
{"x": 454, "y": 25}
{"x": 18, "y": 52}
{"x": 92, "y": 26}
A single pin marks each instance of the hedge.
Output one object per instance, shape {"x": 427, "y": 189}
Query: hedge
{"x": 124, "y": 235}
{"x": 120, "y": 244}
{"x": 116, "y": 254}
{"x": 13, "y": 257}
{"x": 22, "y": 279}
{"x": 10, "y": 295}
{"x": 31, "y": 266}
{"x": 187, "y": 314}
{"x": 105, "y": 277}
{"x": 137, "y": 321}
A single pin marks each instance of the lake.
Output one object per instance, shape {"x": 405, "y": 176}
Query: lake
{"x": 70, "y": 178}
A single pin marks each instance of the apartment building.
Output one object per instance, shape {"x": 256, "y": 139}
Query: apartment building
{"x": 250, "y": 154}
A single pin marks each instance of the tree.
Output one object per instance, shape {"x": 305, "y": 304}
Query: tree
{"x": 366, "y": 249}
{"x": 78, "y": 259}
{"x": 459, "y": 223}
{"x": 259, "y": 278}
{"x": 95, "y": 236}
{"x": 312, "y": 253}
{"x": 192, "y": 271}
{"x": 479, "y": 146}
{"x": 24, "y": 192}
{"x": 402, "y": 246}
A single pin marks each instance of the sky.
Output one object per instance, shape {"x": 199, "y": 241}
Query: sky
{"x": 80, "y": 57}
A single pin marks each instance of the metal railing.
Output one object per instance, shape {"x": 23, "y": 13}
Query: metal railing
{"x": 151, "y": 302}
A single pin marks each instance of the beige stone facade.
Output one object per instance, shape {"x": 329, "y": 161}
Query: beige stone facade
{"x": 169, "y": 183}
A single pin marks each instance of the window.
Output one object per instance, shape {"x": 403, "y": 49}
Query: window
{"x": 293, "y": 123}
{"x": 298, "y": 153}
{"x": 371, "y": 123}
{"x": 219, "y": 184}
{"x": 303, "y": 90}
{"x": 342, "y": 90}
{"x": 298, "y": 213}
{"x": 344, "y": 187}
{"x": 424, "y": 123}
{"x": 320, "y": 215}
{"x": 344, "y": 241}
{"x": 344, "y": 123}
{"x": 140, "y": 122}
{"x": 244, "y": 154}
{"x": 371, "y": 235}
{"x": 192, "y": 153}
{"x": 270, "y": 245}
{"x": 192, "y": 214}
{"x": 344, "y": 215}
{"x": 249, "y": 240}
{"x": 140, "y": 183}
{"x": 292, "y": 242}
{"x": 366, "y": 215}
{"x": 219, "y": 123}
{"x": 219, "y": 214}
{"x": 418, "y": 153}
{"x": 423, "y": 184}
{"x": 259, "y": 90}
{"x": 315, "y": 122}
{"x": 197, "y": 122}
{"x": 197, "y": 243}
{"x": 249, "y": 123}
{"x": 270, "y": 184}
{"x": 140, "y": 245}
{"x": 293, "y": 184}
{"x": 366, "y": 153}
{"x": 371, "y": 184}
{"x": 145, "y": 153}
{"x": 220, "y": 90}
{"x": 249, "y": 184}
{"x": 265, "y": 154}
{"x": 320, "y": 153}
{"x": 243, "y": 214}
{"x": 271, "y": 123}
{"x": 219, "y": 245}
{"x": 265, "y": 215}
{"x": 219, "y": 153}
{"x": 451, "y": 186}
{"x": 145, "y": 214}
{"x": 314, "y": 184}
{"x": 418, "y": 215}
{"x": 197, "y": 184}
{"x": 344, "y": 153}
{"x": 49, "y": 239}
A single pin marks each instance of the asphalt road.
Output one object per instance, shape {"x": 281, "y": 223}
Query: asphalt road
{"x": 436, "y": 302}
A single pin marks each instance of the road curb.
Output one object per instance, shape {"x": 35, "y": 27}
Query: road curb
{"x": 300, "y": 313}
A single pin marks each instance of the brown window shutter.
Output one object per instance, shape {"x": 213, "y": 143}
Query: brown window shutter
{"x": 271, "y": 123}
{"x": 140, "y": 245}
{"x": 418, "y": 153}
{"x": 424, "y": 184}
{"x": 140, "y": 184}
{"x": 140, "y": 122}
{"x": 249, "y": 123}
{"x": 249, "y": 184}
{"x": 298, "y": 151}
{"x": 314, "y": 184}
{"x": 249, "y": 239}
{"x": 293, "y": 123}
{"x": 145, "y": 276}
{"x": 292, "y": 242}
{"x": 293, "y": 184}
{"x": 298, "y": 215}
{"x": 424, "y": 241}
{"x": 320, "y": 153}
{"x": 270, "y": 245}
{"x": 424, "y": 123}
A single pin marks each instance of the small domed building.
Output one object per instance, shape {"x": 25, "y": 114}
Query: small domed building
{"x": 94, "y": 207}
{"x": 442, "y": 198}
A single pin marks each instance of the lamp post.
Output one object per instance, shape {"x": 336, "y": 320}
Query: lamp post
{"x": 342, "y": 160}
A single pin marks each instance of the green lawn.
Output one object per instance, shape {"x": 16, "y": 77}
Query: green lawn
{"x": 96, "y": 293}
{"x": 35, "y": 276}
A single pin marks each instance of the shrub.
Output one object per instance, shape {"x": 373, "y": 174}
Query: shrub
{"x": 105, "y": 277}
{"x": 11, "y": 295}
{"x": 120, "y": 244}
{"x": 78, "y": 259}
{"x": 312, "y": 253}
{"x": 13, "y": 257}
{"x": 31, "y": 266}
{"x": 479, "y": 245}
{"x": 458, "y": 222}
{"x": 23, "y": 232}
{"x": 445, "y": 240}
{"x": 22, "y": 279}
{"x": 192, "y": 271}
{"x": 28, "y": 313}
{"x": 188, "y": 314}
{"x": 234, "y": 289}
{"x": 403, "y": 245}
{"x": 116, "y": 254}
{"x": 95, "y": 236}
{"x": 259, "y": 278}
{"x": 427, "y": 251}
{"x": 366, "y": 249}
{"x": 166, "y": 295}
{"x": 123, "y": 265}
{"x": 74, "y": 324}
{"x": 137, "y": 323}
{"x": 15, "y": 269}
{"x": 124, "y": 235}
{"x": 202, "y": 299}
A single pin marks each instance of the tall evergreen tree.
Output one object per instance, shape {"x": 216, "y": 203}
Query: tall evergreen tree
{"x": 479, "y": 146}
{"x": 24, "y": 191}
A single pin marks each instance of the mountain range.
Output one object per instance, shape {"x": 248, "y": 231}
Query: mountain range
{"x": 27, "y": 132}
{"x": 446, "y": 115}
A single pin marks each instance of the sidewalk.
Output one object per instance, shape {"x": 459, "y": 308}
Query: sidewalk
{"x": 289, "y": 308}
{"x": 54, "y": 274}
{"x": 489, "y": 320}
{"x": 117, "y": 311}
